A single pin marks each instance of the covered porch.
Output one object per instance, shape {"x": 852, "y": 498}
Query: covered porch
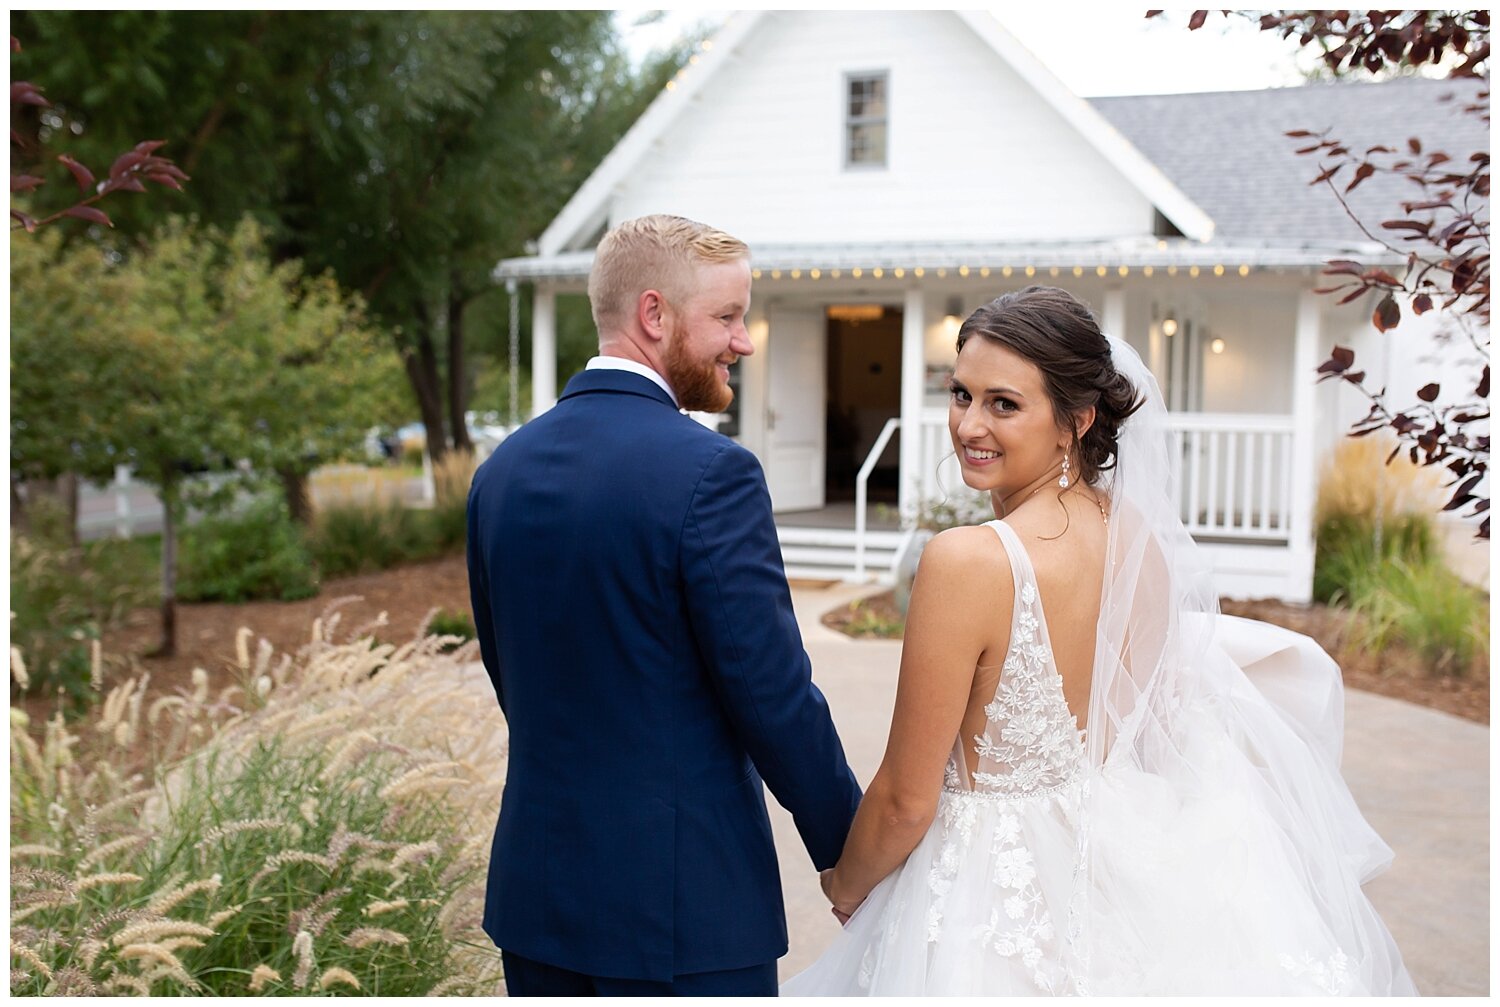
{"x": 844, "y": 399}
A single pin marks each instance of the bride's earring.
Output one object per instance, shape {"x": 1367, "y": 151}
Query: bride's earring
{"x": 1063, "y": 482}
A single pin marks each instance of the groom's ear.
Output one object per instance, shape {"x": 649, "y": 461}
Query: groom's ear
{"x": 654, "y": 314}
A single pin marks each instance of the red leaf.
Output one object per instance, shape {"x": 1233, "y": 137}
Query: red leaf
{"x": 1298, "y": 133}
{"x": 149, "y": 146}
{"x": 81, "y": 175}
{"x": 1414, "y": 145}
{"x": 1387, "y": 314}
{"x": 1354, "y": 295}
{"x": 1326, "y": 175}
{"x": 1196, "y": 21}
{"x": 88, "y": 213}
{"x": 1381, "y": 277}
{"x": 1483, "y": 391}
{"x": 1429, "y": 392}
{"x": 25, "y": 183}
{"x": 1364, "y": 171}
{"x": 125, "y": 162}
{"x": 27, "y": 221}
{"x": 163, "y": 179}
{"x": 1421, "y": 304}
{"x": 24, "y": 92}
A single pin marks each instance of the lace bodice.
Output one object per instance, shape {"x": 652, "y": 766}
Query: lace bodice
{"x": 1031, "y": 743}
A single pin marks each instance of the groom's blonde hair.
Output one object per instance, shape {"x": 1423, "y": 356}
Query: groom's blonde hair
{"x": 657, "y": 252}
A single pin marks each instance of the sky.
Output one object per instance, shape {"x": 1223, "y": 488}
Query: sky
{"x": 1160, "y": 56}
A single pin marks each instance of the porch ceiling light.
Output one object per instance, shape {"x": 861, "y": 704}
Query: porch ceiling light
{"x": 856, "y": 312}
{"x": 1217, "y": 346}
{"x": 1169, "y": 327}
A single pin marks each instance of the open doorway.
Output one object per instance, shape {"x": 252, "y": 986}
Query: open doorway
{"x": 864, "y": 391}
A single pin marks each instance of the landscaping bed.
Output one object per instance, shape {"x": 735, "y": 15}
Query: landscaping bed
{"x": 1396, "y": 672}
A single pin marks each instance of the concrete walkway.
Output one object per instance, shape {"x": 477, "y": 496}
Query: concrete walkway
{"x": 1421, "y": 778}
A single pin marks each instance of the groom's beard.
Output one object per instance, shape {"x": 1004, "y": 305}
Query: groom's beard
{"x": 696, "y": 384}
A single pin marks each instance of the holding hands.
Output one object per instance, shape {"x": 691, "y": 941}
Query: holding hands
{"x": 842, "y": 909}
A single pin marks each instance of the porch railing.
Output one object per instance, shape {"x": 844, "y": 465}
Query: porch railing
{"x": 1234, "y": 472}
{"x": 862, "y": 495}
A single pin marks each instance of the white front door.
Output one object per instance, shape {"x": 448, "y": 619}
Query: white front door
{"x": 796, "y": 407}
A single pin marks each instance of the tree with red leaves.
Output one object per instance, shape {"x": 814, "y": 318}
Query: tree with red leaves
{"x": 129, "y": 173}
{"x": 1442, "y": 233}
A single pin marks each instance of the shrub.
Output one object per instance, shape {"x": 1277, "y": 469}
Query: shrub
{"x": 449, "y": 515}
{"x": 1393, "y": 580}
{"x": 451, "y": 624}
{"x": 63, "y": 598}
{"x": 329, "y": 835}
{"x": 257, "y": 553}
{"x": 356, "y": 537}
{"x": 1426, "y": 607}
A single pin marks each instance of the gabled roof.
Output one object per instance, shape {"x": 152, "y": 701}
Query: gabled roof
{"x": 587, "y": 211}
{"x": 1228, "y": 151}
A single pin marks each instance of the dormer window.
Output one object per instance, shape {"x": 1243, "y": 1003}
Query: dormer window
{"x": 867, "y": 110}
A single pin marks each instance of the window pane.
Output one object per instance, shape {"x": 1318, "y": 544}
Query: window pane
{"x": 875, "y": 96}
{"x": 867, "y": 144}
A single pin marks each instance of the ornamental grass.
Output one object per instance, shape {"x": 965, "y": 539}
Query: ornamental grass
{"x": 321, "y": 826}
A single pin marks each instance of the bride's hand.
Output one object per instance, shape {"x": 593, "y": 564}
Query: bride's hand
{"x": 842, "y": 909}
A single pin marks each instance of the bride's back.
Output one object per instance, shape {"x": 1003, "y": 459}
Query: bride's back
{"x": 1064, "y": 537}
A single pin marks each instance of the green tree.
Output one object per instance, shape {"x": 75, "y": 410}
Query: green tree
{"x": 408, "y": 151}
{"x": 192, "y": 354}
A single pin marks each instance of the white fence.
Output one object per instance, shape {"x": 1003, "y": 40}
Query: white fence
{"x": 1234, "y": 473}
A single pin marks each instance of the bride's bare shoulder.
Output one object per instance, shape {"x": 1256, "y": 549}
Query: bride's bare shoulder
{"x": 970, "y": 552}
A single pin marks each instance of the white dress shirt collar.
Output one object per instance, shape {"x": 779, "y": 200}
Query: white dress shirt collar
{"x": 623, "y": 364}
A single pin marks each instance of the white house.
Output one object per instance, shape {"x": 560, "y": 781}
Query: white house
{"x": 892, "y": 170}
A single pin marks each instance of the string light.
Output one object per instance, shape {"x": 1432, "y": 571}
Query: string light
{"x": 1124, "y": 270}
{"x": 1148, "y": 270}
{"x": 796, "y": 274}
{"x": 918, "y": 272}
{"x": 942, "y": 273}
{"x": 1171, "y": 270}
{"x": 1005, "y": 271}
{"x": 877, "y": 272}
{"x": 1053, "y": 271}
{"x": 856, "y": 272}
{"x": 963, "y": 270}
{"x": 1101, "y": 270}
{"x": 815, "y": 274}
{"x": 1030, "y": 270}
{"x": 898, "y": 272}
{"x": 1244, "y": 270}
{"x": 984, "y": 270}
{"x": 835, "y": 273}
{"x": 1077, "y": 270}
{"x": 1218, "y": 270}
{"x": 755, "y": 274}
{"x": 775, "y": 274}
{"x": 1193, "y": 271}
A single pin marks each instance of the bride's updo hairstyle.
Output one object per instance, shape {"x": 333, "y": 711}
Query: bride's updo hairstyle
{"x": 1055, "y": 331}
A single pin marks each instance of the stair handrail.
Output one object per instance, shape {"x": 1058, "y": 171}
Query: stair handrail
{"x": 861, "y": 494}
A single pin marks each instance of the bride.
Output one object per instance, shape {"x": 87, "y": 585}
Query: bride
{"x": 1095, "y": 783}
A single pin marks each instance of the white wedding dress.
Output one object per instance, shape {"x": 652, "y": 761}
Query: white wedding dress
{"x": 1044, "y": 875}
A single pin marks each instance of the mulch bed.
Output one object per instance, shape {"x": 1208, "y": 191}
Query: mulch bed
{"x": 206, "y": 635}
{"x": 1397, "y": 672}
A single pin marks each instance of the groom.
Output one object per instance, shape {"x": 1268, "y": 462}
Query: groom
{"x": 634, "y": 616}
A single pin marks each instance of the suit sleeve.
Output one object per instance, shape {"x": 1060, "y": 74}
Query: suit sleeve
{"x": 741, "y": 612}
{"x": 479, "y": 600}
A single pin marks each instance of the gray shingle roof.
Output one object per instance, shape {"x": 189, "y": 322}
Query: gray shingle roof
{"x": 1228, "y": 153}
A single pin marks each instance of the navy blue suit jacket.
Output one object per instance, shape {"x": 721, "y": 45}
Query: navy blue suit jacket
{"x": 633, "y": 613}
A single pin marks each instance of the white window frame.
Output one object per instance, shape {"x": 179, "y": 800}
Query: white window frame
{"x": 851, "y": 120}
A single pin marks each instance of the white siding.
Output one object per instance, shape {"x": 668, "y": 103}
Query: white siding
{"x": 974, "y": 153}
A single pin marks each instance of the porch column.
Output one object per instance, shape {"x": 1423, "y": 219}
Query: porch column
{"x": 1304, "y": 473}
{"x": 543, "y": 350}
{"x": 1113, "y": 315}
{"x": 913, "y": 377}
